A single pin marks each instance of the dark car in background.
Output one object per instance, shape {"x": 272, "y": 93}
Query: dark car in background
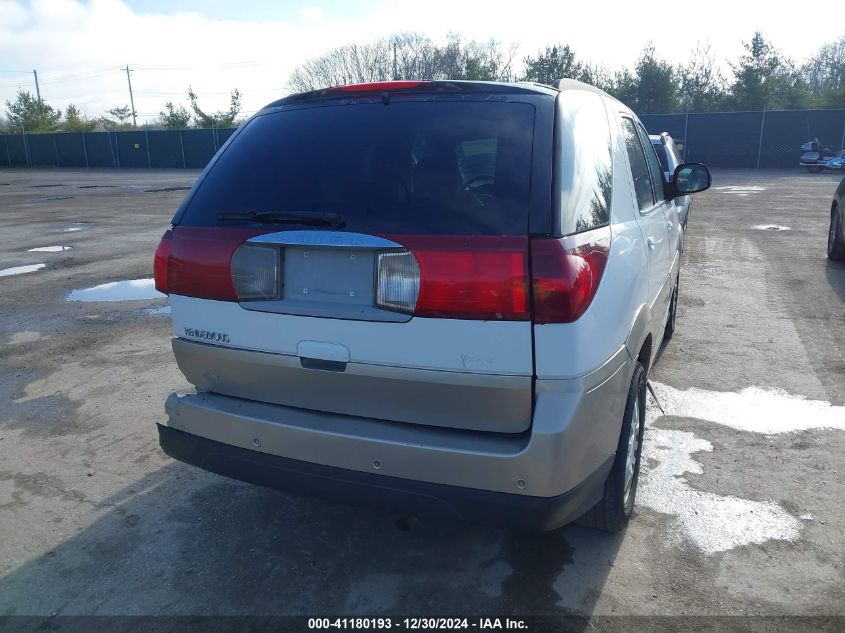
{"x": 836, "y": 233}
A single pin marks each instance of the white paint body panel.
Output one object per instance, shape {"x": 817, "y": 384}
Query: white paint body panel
{"x": 568, "y": 350}
{"x": 480, "y": 347}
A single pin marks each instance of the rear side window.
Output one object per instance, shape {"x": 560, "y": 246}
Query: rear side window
{"x": 409, "y": 167}
{"x": 639, "y": 166}
{"x": 585, "y": 167}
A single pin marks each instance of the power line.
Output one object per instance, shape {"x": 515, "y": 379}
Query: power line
{"x": 80, "y": 77}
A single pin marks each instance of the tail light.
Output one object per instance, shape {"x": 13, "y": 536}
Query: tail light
{"x": 457, "y": 277}
{"x": 453, "y": 277}
{"x": 566, "y": 274}
{"x": 161, "y": 261}
{"x": 196, "y": 262}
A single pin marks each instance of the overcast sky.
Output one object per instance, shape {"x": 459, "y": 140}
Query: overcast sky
{"x": 216, "y": 45}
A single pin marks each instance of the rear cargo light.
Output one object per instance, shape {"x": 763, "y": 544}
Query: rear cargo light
{"x": 375, "y": 86}
{"x": 469, "y": 277}
{"x": 398, "y": 286}
{"x": 255, "y": 272}
{"x": 195, "y": 261}
{"x": 566, "y": 274}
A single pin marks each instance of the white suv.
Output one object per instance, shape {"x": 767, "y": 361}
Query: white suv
{"x": 440, "y": 296}
{"x": 669, "y": 156}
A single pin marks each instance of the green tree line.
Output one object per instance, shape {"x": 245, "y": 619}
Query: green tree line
{"x": 27, "y": 113}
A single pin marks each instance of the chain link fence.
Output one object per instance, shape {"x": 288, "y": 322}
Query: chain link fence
{"x": 719, "y": 139}
{"x": 750, "y": 139}
{"x": 158, "y": 149}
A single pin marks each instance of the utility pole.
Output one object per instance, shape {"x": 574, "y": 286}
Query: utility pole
{"x": 395, "y": 76}
{"x": 37, "y": 89}
{"x": 131, "y": 98}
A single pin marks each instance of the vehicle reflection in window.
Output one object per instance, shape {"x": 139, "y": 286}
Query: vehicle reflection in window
{"x": 586, "y": 167}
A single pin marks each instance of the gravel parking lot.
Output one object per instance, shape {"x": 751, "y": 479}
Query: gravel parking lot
{"x": 741, "y": 504}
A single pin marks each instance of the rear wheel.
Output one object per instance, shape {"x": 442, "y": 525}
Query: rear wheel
{"x": 835, "y": 246}
{"x": 611, "y": 514}
{"x": 814, "y": 169}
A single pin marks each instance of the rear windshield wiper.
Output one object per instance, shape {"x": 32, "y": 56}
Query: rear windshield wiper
{"x": 321, "y": 218}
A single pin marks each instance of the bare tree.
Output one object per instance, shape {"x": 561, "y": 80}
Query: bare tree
{"x": 405, "y": 56}
{"x": 825, "y": 75}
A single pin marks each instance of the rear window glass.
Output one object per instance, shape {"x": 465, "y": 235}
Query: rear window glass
{"x": 408, "y": 167}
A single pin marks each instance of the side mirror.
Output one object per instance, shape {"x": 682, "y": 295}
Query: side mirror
{"x": 689, "y": 178}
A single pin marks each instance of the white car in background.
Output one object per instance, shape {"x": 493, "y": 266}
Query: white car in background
{"x": 670, "y": 157}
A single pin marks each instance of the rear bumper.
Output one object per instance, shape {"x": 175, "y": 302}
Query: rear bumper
{"x": 403, "y": 495}
{"x": 550, "y": 474}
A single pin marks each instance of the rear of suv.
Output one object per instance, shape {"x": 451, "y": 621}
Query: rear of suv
{"x": 438, "y": 296}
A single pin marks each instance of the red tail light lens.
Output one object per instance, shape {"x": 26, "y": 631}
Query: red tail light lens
{"x": 162, "y": 258}
{"x": 566, "y": 274}
{"x": 471, "y": 277}
{"x": 195, "y": 262}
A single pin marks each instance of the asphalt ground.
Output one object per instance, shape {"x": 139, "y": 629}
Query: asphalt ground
{"x": 741, "y": 503}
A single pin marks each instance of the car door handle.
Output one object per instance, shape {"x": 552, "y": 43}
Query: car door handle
{"x": 650, "y": 242}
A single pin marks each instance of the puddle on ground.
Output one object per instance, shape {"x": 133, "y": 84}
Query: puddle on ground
{"x": 753, "y": 409}
{"x": 158, "y": 311}
{"x": 129, "y": 290}
{"x": 48, "y": 249}
{"x": 711, "y": 522}
{"x": 166, "y": 189}
{"x": 772, "y": 227}
{"x": 27, "y": 336}
{"x": 68, "y": 229}
{"x": 20, "y": 270}
{"x": 740, "y": 190}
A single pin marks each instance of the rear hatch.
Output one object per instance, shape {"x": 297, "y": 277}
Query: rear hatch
{"x": 364, "y": 254}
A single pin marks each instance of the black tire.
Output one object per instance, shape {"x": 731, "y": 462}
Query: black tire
{"x": 835, "y": 246}
{"x": 814, "y": 169}
{"x": 673, "y": 311}
{"x": 612, "y": 513}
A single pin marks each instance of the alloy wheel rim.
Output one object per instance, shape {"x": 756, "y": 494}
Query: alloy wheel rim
{"x": 631, "y": 455}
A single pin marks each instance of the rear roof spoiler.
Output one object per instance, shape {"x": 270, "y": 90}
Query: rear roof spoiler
{"x": 436, "y": 86}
